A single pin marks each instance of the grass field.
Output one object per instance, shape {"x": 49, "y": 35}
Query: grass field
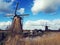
{"x": 47, "y": 39}
{"x": 51, "y": 38}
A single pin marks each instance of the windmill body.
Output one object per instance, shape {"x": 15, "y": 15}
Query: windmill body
{"x": 17, "y": 24}
{"x": 46, "y": 28}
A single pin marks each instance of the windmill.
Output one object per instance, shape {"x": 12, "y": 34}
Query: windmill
{"x": 17, "y": 21}
{"x": 46, "y": 26}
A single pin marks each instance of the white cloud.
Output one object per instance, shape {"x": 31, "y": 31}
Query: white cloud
{"x": 5, "y": 6}
{"x": 40, "y": 24}
{"x": 3, "y": 25}
{"x": 21, "y": 10}
{"x": 47, "y": 6}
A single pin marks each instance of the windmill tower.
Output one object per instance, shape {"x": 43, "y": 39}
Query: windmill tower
{"x": 16, "y": 26}
{"x": 46, "y": 27}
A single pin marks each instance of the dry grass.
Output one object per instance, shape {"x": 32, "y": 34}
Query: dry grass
{"x": 49, "y": 39}
{"x": 46, "y": 39}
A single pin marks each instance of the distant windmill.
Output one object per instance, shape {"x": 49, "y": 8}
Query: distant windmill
{"x": 17, "y": 21}
{"x": 46, "y": 26}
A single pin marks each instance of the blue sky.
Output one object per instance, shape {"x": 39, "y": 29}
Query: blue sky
{"x": 37, "y": 10}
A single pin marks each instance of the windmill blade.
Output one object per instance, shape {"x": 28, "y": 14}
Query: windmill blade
{"x": 45, "y": 25}
{"x": 24, "y": 15}
{"x": 8, "y": 15}
{"x": 16, "y": 8}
